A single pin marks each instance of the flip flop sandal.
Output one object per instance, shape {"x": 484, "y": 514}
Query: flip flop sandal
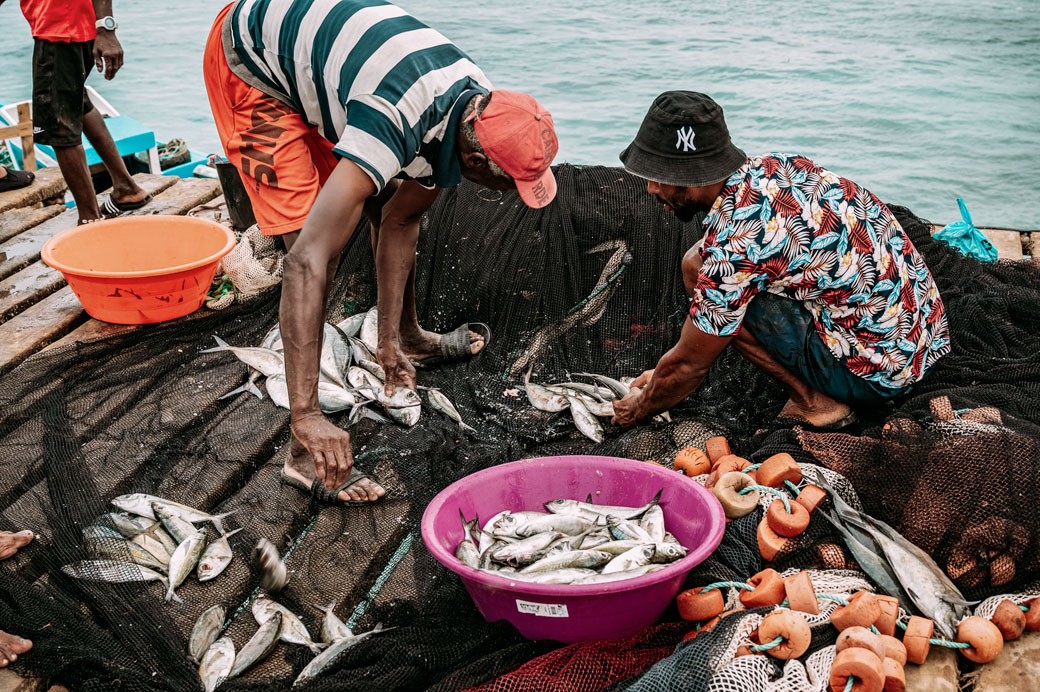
{"x": 15, "y": 179}
{"x": 319, "y": 492}
{"x": 110, "y": 207}
{"x": 455, "y": 345}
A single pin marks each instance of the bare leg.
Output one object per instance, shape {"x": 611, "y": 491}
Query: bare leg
{"x": 73, "y": 164}
{"x": 12, "y": 646}
{"x": 124, "y": 188}
{"x": 298, "y": 462}
{"x": 805, "y": 403}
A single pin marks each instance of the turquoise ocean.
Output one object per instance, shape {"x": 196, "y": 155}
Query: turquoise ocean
{"x": 921, "y": 101}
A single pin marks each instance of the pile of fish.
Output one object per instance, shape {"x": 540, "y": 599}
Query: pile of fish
{"x": 587, "y": 402}
{"x": 218, "y": 660}
{"x": 153, "y": 539}
{"x": 573, "y": 543}
{"x": 350, "y": 376}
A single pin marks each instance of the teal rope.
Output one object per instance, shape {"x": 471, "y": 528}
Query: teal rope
{"x": 751, "y": 468}
{"x": 874, "y": 630}
{"x": 901, "y": 624}
{"x": 1023, "y": 608}
{"x": 734, "y": 584}
{"x": 758, "y": 648}
{"x": 851, "y": 681}
{"x": 793, "y": 487}
{"x": 398, "y": 555}
{"x": 745, "y": 491}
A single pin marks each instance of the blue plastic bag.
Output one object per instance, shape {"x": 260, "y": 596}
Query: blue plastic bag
{"x": 966, "y": 239}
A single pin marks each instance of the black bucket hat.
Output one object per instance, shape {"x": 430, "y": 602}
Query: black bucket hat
{"x": 683, "y": 141}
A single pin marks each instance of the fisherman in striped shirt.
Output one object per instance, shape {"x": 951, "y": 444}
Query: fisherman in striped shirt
{"x": 334, "y": 108}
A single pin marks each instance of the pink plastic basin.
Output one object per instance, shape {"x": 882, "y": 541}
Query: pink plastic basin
{"x": 572, "y": 613}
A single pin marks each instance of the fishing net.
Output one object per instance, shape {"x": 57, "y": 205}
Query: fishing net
{"x": 590, "y": 283}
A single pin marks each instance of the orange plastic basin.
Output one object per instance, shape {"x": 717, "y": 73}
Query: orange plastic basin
{"x": 140, "y": 269}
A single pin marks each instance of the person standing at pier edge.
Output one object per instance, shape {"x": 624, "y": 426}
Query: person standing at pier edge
{"x": 70, "y": 36}
{"x": 807, "y": 274}
{"x": 334, "y": 108}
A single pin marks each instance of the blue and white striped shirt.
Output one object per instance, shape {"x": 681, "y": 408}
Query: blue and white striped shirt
{"x": 384, "y": 88}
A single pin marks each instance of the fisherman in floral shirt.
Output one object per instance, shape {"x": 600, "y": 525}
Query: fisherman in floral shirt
{"x": 806, "y": 273}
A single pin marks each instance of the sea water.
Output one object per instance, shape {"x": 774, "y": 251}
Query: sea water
{"x": 921, "y": 101}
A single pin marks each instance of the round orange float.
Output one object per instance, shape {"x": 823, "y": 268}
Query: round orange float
{"x": 894, "y": 649}
{"x": 811, "y": 496}
{"x": 717, "y": 447}
{"x": 788, "y": 524}
{"x": 984, "y": 638}
{"x": 862, "y": 610}
{"x": 769, "y": 590}
{"x": 864, "y": 666}
{"x": 779, "y": 468}
{"x": 694, "y": 605}
{"x": 886, "y": 622}
{"x": 770, "y": 543}
{"x": 801, "y": 595}
{"x": 1033, "y": 615}
{"x": 1009, "y": 619}
{"x": 692, "y": 462}
{"x": 791, "y": 627}
{"x": 895, "y": 678}
{"x": 860, "y": 637}
{"x": 915, "y": 639}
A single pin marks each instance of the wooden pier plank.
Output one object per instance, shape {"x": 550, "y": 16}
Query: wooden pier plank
{"x": 48, "y": 183}
{"x": 44, "y": 322}
{"x": 16, "y": 221}
{"x": 26, "y": 287}
{"x": 24, "y": 249}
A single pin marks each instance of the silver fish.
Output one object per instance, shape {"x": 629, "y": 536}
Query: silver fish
{"x": 564, "y": 506}
{"x": 154, "y": 546}
{"x": 122, "y": 550}
{"x": 158, "y": 533}
{"x": 141, "y": 504}
{"x": 326, "y": 658}
{"x": 113, "y": 572}
{"x": 263, "y": 359}
{"x": 627, "y": 530}
{"x": 259, "y": 645}
{"x": 618, "y": 547}
{"x": 374, "y": 368}
{"x": 335, "y": 356}
{"x": 351, "y": 326}
{"x": 443, "y": 404}
{"x": 602, "y": 409}
{"x": 293, "y": 630}
{"x": 636, "y": 557}
{"x": 526, "y": 551}
{"x": 570, "y": 575}
{"x": 184, "y": 560}
{"x": 272, "y": 341}
{"x": 668, "y": 552}
{"x": 593, "y": 392}
{"x": 205, "y": 631}
{"x": 584, "y": 420}
{"x": 653, "y": 523}
{"x": 96, "y": 532}
{"x": 468, "y": 554}
{"x": 618, "y": 389}
{"x": 572, "y": 558}
{"x": 129, "y": 525}
{"x": 361, "y": 379}
{"x": 541, "y": 398}
{"x": 172, "y": 521}
{"x": 331, "y": 397}
{"x": 669, "y": 538}
{"x": 215, "y": 558}
{"x": 359, "y": 351}
{"x": 486, "y": 537}
{"x": 522, "y": 526}
{"x": 217, "y": 663}
{"x": 332, "y": 628}
{"x": 369, "y": 334}
{"x": 606, "y": 577}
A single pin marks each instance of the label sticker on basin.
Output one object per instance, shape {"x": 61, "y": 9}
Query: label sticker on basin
{"x": 543, "y": 610}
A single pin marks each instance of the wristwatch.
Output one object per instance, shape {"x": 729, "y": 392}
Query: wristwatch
{"x": 107, "y": 23}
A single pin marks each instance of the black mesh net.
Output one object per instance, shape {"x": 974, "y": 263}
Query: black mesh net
{"x": 590, "y": 283}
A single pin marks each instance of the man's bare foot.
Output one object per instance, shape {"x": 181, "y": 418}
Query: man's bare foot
{"x": 300, "y": 465}
{"x": 11, "y": 542}
{"x": 422, "y": 344}
{"x": 11, "y": 647}
{"x": 820, "y": 411}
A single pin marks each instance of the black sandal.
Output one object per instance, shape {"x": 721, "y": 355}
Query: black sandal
{"x": 110, "y": 207}
{"x": 456, "y": 345}
{"x": 325, "y": 496}
{"x": 15, "y": 179}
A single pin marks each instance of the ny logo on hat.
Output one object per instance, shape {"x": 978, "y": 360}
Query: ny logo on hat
{"x": 685, "y": 139}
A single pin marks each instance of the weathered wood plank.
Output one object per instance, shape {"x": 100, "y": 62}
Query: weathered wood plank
{"x": 24, "y": 248}
{"x": 44, "y": 322}
{"x": 28, "y": 286}
{"x": 48, "y": 183}
{"x": 181, "y": 198}
{"x": 16, "y": 221}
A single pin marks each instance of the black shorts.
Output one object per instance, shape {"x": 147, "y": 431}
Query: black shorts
{"x": 60, "y": 98}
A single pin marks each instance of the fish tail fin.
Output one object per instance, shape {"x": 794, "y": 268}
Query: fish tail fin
{"x": 229, "y": 534}
{"x": 221, "y": 346}
{"x": 657, "y": 498}
{"x": 254, "y": 390}
{"x": 666, "y": 417}
{"x": 467, "y": 428}
{"x": 218, "y": 520}
{"x": 589, "y": 499}
{"x": 317, "y": 647}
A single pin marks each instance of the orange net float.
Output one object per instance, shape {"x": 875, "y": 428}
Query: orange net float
{"x": 770, "y": 543}
{"x": 895, "y": 677}
{"x": 886, "y": 622}
{"x": 866, "y": 669}
{"x": 1033, "y": 615}
{"x": 692, "y": 462}
{"x": 787, "y": 524}
{"x": 1009, "y": 619}
{"x": 791, "y": 628}
{"x": 984, "y": 638}
{"x": 917, "y": 639}
{"x": 862, "y": 610}
{"x": 706, "y": 627}
{"x": 894, "y": 649}
{"x": 769, "y": 590}
{"x": 717, "y": 447}
{"x": 811, "y": 496}
{"x": 862, "y": 638}
{"x": 726, "y": 464}
{"x": 694, "y": 605}
{"x": 779, "y": 468}
{"x": 801, "y": 595}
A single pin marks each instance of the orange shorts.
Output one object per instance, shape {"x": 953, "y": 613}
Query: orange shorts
{"x": 282, "y": 158}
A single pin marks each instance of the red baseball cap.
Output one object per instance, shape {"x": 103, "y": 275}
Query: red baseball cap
{"x": 517, "y": 133}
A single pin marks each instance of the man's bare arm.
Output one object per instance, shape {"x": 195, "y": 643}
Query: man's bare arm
{"x": 328, "y": 227}
{"x": 395, "y": 256}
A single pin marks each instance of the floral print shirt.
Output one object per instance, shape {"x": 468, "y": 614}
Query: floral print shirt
{"x": 785, "y": 225}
